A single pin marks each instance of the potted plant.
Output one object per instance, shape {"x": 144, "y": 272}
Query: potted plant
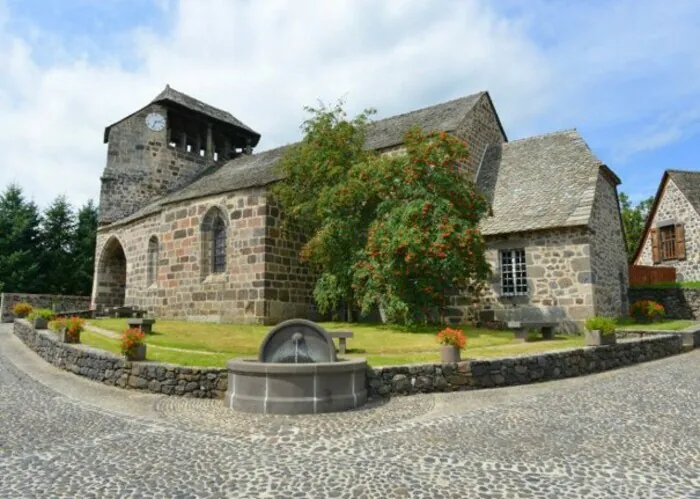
{"x": 452, "y": 341}
{"x": 646, "y": 311}
{"x": 22, "y": 309}
{"x": 40, "y": 317}
{"x": 69, "y": 329}
{"x": 600, "y": 331}
{"x": 132, "y": 344}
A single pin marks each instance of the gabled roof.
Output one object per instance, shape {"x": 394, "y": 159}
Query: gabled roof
{"x": 259, "y": 169}
{"x": 541, "y": 182}
{"x": 444, "y": 117}
{"x": 688, "y": 182}
{"x": 170, "y": 95}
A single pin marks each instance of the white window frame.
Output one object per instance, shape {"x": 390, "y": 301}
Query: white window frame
{"x": 513, "y": 267}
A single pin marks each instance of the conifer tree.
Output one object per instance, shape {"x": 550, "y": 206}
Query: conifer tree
{"x": 19, "y": 251}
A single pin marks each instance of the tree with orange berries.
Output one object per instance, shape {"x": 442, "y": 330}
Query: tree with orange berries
{"x": 396, "y": 232}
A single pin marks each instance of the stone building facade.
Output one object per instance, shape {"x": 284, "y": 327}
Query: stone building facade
{"x": 672, "y": 234}
{"x": 201, "y": 239}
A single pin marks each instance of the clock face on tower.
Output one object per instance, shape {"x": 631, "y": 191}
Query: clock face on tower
{"x": 155, "y": 121}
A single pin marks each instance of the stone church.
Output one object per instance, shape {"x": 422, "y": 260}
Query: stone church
{"x": 188, "y": 230}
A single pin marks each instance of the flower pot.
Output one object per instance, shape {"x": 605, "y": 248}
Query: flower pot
{"x": 595, "y": 338}
{"x": 64, "y": 337}
{"x": 449, "y": 354}
{"x": 138, "y": 353}
{"x": 41, "y": 323}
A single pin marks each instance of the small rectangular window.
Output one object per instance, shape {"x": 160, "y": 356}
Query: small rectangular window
{"x": 667, "y": 242}
{"x": 513, "y": 272}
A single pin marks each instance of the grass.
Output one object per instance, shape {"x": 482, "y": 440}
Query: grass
{"x": 628, "y": 324}
{"x": 214, "y": 344}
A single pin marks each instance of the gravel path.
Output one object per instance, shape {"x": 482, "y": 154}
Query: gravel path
{"x": 627, "y": 433}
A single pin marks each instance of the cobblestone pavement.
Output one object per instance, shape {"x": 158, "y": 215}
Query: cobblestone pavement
{"x": 628, "y": 433}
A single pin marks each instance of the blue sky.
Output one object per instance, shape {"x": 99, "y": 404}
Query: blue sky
{"x": 626, "y": 74}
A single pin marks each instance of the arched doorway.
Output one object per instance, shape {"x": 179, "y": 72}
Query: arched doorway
{"x": 111, "y": 276}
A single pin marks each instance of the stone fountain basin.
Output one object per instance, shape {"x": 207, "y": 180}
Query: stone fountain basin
{"x": 309, "y": 388}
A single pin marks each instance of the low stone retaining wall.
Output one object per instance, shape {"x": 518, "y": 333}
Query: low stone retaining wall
{"x": 381, "y": 382}
{"x": 475, "y": 374}
{"x": 59, "y": 303}
{"x": 679, "y": 303}
{"x": 110, "y": 369}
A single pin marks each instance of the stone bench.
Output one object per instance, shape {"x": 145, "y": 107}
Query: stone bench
{"x": 342, "y": 337}
{"x": 520, "y": 328}
{"x": 145, "y": 325}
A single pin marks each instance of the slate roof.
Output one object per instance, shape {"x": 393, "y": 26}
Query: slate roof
{"x": 173, "y": 96}
{"x": 689, "y": 184}
{"x": 443, "y": 117}
{"x": 541, "y": 182}
{"x": 259, "y": 169}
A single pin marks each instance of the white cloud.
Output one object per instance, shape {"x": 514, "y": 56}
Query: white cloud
{"x": 263, "y": 61}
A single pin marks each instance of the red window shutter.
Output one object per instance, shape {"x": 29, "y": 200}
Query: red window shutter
{"x": 655, "y": 254}
{"x": 680, "y": 242}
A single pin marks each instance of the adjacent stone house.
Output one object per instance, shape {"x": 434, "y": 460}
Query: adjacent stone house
{"x": 671, "y": 236}
{"x": 188, "y": 229}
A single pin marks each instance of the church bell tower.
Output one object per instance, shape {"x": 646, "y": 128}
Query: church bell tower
{"x": 164, "y": 146}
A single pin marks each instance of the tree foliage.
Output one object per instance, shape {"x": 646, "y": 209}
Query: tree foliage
{"x": 633, "y": 219}
{"x": 19, "y": 236}
{"x": 398, "y": 232}
{"x": 49, "y": 252}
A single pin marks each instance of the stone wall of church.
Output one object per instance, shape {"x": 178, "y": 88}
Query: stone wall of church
{"x": 480, "y": 128}
{"x": 263, "y": 283}
{"x": 608, "y": 255}
{"x": 559, "y": 278}
{"x": 288, "y": 282}
{"x": 182, "y": 289}
{"x": 675, "y": 207}
{"x": 141, "y": 166}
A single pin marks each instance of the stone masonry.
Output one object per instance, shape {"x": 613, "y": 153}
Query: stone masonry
{"x": 609, "y": 268}
{"x": 141, "y": 166}
{"x": 110, "y": 369}
{"x": 263, "y": 282}
{"x": 674, "y": 206}
{"x": 472, "y": 374}
{"x": 559, "y": 278}
{"x": 54, "y": 302}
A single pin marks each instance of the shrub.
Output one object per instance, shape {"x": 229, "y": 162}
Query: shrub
{"x": 533, "y": 335}
{"x": 647, "y": 311}
{"x": 606, "y": 325}
{"x": 44, "y": 313}
{"x": 22, "y": 309}
{"x": 453, "y": 337}
{"x": 130, "y": 339}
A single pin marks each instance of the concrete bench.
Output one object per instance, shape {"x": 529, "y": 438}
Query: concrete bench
{"x": 520, "y": 328}
{"x": 342, "y": 337}
{"x": 144, "y": 324}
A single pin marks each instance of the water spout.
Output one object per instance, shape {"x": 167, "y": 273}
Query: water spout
{"x": 297, "y": 338}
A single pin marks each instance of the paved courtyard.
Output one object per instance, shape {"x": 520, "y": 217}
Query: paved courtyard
{"x": 628, "y": 433}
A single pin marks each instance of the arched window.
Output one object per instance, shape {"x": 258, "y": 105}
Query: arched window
{"x": 152, "y": 261}
{"x": 213, "y": 238}
{"x": 219, "y": 247}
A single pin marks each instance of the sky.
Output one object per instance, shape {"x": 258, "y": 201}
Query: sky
{"x": 625, "y": 74}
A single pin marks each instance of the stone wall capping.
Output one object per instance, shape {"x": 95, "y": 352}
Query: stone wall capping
{"x": 382, "y": 381}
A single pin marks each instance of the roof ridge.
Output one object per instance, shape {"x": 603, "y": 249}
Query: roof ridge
{"x": 676, "y": 170}
{"x": 544, "y": 135}
{"x": 430, "y": 107}
{"x": 164, "y": 95}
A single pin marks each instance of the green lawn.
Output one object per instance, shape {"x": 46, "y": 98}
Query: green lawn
{"x": 627, "y": 324}
{"x": 213, "y": 344}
